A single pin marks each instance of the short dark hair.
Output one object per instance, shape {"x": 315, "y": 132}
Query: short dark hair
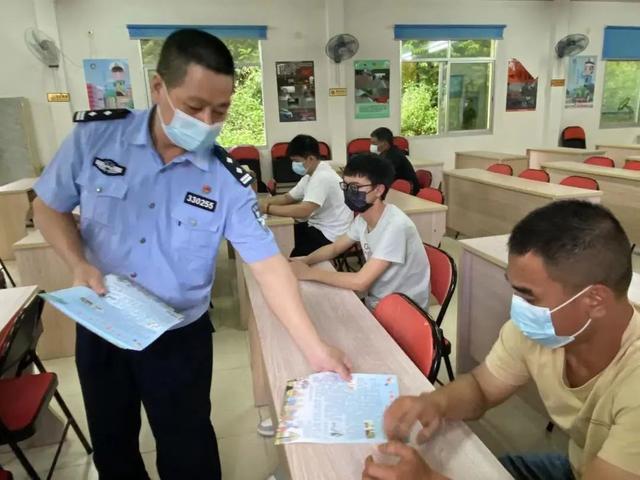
{"x": 187, "y": 46}
{"x": 303, "y": 146}
{"x": 580, "y": 243}
{"x": 372, "y": 167}
{"x": 384, "y": 134}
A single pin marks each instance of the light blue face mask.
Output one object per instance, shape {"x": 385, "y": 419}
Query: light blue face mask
{"x": 535, "y": 322}
{"x": 298, "y": 168}
{"x": 188, "y": 132}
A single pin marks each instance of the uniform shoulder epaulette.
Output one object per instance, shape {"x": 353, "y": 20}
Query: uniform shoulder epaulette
{"x": 239, "y": 173}
{"x": 98, "y": 115}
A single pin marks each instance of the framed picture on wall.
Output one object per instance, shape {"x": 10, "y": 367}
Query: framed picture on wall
{"x": 108, "y": 83}
{"x": 581, "y": 81}
{"x": 296, "y": 91}
{"x": 372, "y": 88}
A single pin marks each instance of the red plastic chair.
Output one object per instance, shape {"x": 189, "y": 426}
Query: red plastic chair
{"x": 580, "y": 182}
{"x": 325, "y": 151}
{"x": 402, "y": 185}
{"x": 272, "y": 186}
{"x": 4, "y": 475}
{"x": 573, "y": 137}
{"x": 358, "y": 145}
{"x": 424, "y": 178}
{"x": 402, "y": 143}
{"x": 413, "y": 330}
{"x": 501, "y": 168}
{"x": 431, "y": 194}
{"x": 535, "y": 174}
{"x": 443, "y": 280}
{"x": 24, "y": 397}
{"x": 631, "y": 165}
{"x": 600, "y": 161}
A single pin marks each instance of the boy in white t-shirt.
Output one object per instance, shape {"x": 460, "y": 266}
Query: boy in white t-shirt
{"x": 396, "y": 260}
{"x": 316, "y": 201}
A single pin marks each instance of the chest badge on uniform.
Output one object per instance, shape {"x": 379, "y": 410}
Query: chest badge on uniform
{"x": 109, "y": 167}
{"x": 200, "y": 202}
{"x": 206, "y": 189}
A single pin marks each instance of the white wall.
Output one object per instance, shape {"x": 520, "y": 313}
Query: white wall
{"x": 22, "y": 75}
{"x": 299, "y": 29}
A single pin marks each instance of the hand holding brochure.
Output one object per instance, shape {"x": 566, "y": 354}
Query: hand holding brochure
{"x": 323, "y": 408}
{"x": 127, "y": 316}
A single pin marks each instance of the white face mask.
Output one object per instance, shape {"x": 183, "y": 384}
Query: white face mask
{"x": 188, "y": 132}
{"x": 373, "y": 148}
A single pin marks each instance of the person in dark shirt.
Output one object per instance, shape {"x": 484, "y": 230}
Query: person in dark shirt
{"x": 382, "y": 144}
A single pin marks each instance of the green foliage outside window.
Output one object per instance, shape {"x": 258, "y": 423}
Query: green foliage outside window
{"x": 245, "y": 120}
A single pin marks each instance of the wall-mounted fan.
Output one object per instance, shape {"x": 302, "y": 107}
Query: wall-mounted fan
{"x": 43, "y": 47}
{"x": 571, "y": 45}
{"x": 341, "y": 47}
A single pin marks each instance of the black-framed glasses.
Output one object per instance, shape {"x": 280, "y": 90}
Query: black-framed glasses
{"x": 353, "y": 187}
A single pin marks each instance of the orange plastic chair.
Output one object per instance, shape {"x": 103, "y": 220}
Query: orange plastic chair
{"x": 402, "y": 185}
{"x": 580, "y": 182}
{"x": 535, "y": 174}
{"x": 248, "y": 155}
{"x": 501, "y": 168}
{"x": 413, "y": 330}
{"x": 443, "y": 280}
{"x": 600, "y": 161}
{"x": 325, "y": 151}
{"x": 431, "y": 194}
{"x": 402, "y": 143}
{"x": 424, "y": 178}
{"x": 358, "y": 145}
{"x": 631, "y": 165}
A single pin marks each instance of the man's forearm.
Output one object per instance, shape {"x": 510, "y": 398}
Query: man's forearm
{"x": 298, "y": 211}
{"x": 348, "y": 280}
{"x": 321, "y": 255}
{"x": 280, "y": 200}
{"x": 274, "y": 277}
{"x": 461, "y": 399}
{"x": 60, "y": 230}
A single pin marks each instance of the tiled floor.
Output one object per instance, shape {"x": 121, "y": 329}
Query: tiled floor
{"x": 513, "y": 426}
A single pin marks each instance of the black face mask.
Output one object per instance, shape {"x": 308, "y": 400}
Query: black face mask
{"x": 357, "y": 201}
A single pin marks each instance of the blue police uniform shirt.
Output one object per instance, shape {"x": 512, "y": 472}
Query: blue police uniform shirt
{"x": 158, "y": 224}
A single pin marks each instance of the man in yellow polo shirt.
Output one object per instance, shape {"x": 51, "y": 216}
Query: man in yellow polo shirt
{"x": 573, "y": 332}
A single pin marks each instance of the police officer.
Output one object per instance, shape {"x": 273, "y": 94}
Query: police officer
{"x": 156, "y": 196}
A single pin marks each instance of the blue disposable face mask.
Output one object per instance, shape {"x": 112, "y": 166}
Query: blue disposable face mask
{"x": 535, "y": 322}
{"x": 188, "y": 132}
{"x": 298, "y": 168}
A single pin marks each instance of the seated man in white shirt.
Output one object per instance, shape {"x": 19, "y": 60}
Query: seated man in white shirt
{"x": 316, "y": 201}
{"x": 396, "y": 260}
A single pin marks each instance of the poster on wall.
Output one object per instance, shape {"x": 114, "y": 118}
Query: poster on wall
{"x": 372, "y": 88}
{"x": 580, "y": 81}
{"x": 296, "y": 91}
{"x": 108, "y": 83}
{"x": 522, "y": 88}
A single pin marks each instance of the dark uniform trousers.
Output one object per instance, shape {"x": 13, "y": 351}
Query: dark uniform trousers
{"x": 307, "y": 239}
{"x": 172, "y": 379}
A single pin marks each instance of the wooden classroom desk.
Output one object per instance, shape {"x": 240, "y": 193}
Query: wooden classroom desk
{"x": 619, "y": 153}
{"x": 12, "y": 301}
{"x": 436, "y": 169}
{"x": 538, "y": 156}
{"x": 481, "y": 159}
{"x": 484, "y": 203}
{"x": 620, "y": 190}
{"x": 430, "y": 218}
{"x": 484, "y": 297}
{"x": 15, "y": 200}
{"x": 343, "y": 321}
{"x": 39, "y": 264}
